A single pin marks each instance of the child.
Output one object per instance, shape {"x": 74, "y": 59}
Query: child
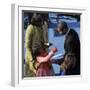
{"x": 43, "y": 61}
{"x": 67, "y": 67}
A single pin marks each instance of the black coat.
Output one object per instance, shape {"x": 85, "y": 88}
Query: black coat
{"x": 72, "y": 45}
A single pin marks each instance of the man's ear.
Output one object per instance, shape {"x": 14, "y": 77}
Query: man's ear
{"x": 57, "y": 30}
{"x": 64, "y": 30}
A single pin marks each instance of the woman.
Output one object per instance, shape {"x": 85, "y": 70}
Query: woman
{"x": 34, "y": 38}
{"x": 34, "y": 46}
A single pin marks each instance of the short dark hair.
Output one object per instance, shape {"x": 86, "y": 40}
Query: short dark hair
{"x": 36, "y": 20}
{"x": 63, "y": 25}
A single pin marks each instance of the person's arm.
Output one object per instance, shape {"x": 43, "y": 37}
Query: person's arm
{"x": 57, "y": 61}
{"x": 70, "y": 44}
{"x": 41, "y": 59}
{"x": 28, "y": 43}
{"x": 29, "y": 35}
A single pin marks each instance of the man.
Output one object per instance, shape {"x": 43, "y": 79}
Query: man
{"x": 71, "y": 63}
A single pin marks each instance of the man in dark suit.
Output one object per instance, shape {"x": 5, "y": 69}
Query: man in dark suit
{"x": 70, "y": 64}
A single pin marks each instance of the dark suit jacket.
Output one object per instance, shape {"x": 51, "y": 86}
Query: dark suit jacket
{"x": 72, "y": 45}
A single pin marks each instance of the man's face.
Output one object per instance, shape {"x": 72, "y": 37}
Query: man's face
{"x": 61, "y": 30}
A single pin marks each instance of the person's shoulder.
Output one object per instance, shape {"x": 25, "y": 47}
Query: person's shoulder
{"x": 30, "y": 26}
{"x": 29, "y": 29}
{"x": 72, "y": 31}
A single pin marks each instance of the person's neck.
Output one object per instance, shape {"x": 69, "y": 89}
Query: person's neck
{"x": 67, "y": 31}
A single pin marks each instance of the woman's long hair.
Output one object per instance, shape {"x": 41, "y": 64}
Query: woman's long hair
{"x": 37, "y": 20}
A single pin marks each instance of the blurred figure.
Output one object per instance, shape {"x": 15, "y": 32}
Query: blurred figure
{"x": 71, "y": 63}
{"x": 68, "y": 64}
{"x": 34, "y": 38}
{"x": 36, "y": 53}
{"x": 44, "y": 64}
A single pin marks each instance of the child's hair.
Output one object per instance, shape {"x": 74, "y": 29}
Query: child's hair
{"x": 70, "y": 60}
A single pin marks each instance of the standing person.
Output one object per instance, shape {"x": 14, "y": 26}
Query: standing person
{"x": 71, "y": 63}
{"x": 34, "y": 38}
{"x": 34, "y": 45}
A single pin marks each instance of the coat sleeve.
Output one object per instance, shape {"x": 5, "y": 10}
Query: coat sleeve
{"x": 28, "y": 42}
{"x": 69, "y": 44}
{"x": 29, "y": 34}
